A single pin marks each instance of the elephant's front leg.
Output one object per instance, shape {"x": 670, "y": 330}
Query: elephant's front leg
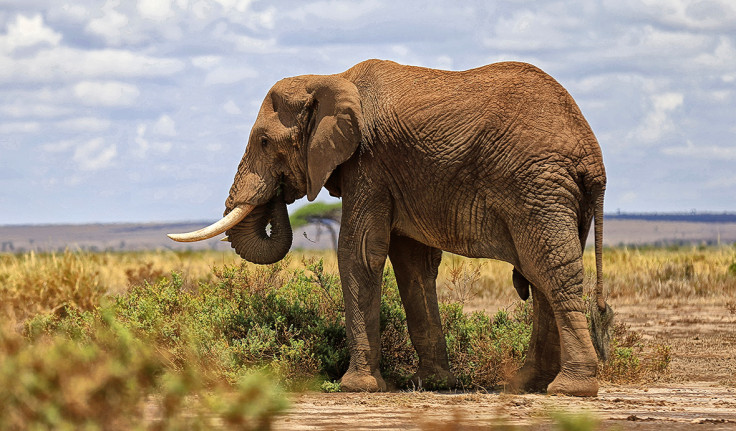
{"x": 362, "y": 250}
{"x": 415, "y": 265}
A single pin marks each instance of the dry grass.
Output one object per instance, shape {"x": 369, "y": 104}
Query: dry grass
{"x": 631, "y": 275}
{"x": 668, "y": 274}
{"x": 32, "y": 283}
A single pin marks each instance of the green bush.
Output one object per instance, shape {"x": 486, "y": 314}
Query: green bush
{"x": 632, "y": 359}
{"x": 292, "y": 326}
{"x": 485, "y": 351}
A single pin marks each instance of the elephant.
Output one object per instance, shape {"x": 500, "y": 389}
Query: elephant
{"x": 493, "y": 162}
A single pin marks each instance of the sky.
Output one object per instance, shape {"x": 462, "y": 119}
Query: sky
{"x": 139, "y": 110}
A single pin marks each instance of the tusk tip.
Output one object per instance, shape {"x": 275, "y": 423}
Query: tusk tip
{"x": 226, "y": 239}
{"x": 231, "y": 219}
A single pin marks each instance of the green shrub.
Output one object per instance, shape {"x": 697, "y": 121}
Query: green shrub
{"x": 246, "y": 319}
{"x": 632, "y": 359}
{"x": 485, "y": 351}
{"x": 330, "y": 387}
{"x": 732, "y": 268}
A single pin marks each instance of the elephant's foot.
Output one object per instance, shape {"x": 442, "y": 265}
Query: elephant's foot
{"x": 433, "y": 379}
{"x": 356, "y": 381}
{"x": 530, "y": 378}
{"x": 574, "y": 384}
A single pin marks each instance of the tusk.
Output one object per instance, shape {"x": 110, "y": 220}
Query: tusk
{"x": 225, "y": 239}
{"x": 234, "y": 217}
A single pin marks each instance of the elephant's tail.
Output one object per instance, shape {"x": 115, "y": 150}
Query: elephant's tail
{"x": 601, "y": 313}
{"x": 598, "y": 232}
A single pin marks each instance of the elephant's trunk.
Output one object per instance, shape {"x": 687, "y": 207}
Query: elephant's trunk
{"x": 251, "y": 240}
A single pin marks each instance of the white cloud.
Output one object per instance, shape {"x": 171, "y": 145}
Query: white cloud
{"x": 74, "y": 12}
{"x": 232, "y": 35}
{"x": 58, "y": 147}
{"x": 334, "y": 10}
{"x": 27, "y": 32}
{"x": 165, "y": 126}
{"x": 691, "y": 15}
{"x": 64, "y": 64}
{"x": 667, "y": 101}
{"x": 108, "y": 93}
{"x": 157, "y": 10}
{"x": 85, "y": 124}
{"x": 698, "y": 15}
{"x": 234, "y": 5}
{"x": 144, "y": 145}
{"x": 723, "y": 56}
{"x": 113, "y": 26}
{"x": 21, "y": 109}
{"x": 229, "y": 75}
{"x": 232, "y": 108}
{"x": 206, "y": 61}
{"x": 706, "y": 152}
{"x": 141, "y": 141}
{"x": 20, "y": 127}
{"x": 658, "y": 121}
{"x": 94, "y": 154}
{"x": 552, "y": 26}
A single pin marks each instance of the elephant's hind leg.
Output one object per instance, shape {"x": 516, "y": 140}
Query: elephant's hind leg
{"x": 543, "y": 358}
{"x": 555, "y": 267}
{"x": 415, "y": 265}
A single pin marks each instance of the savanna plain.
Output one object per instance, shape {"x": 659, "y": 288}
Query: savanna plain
{"x": 170, "y": 340}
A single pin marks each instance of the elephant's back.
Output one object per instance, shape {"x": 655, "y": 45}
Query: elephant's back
{"x": 509, "y": 107}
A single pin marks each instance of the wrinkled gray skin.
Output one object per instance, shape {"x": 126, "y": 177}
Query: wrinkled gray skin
{"x": 495, "y": 162}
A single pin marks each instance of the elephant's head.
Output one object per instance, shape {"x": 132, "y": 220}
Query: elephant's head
{"x": 306, "y": 127}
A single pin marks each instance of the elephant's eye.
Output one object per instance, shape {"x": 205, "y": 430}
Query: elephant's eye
{"x": 264, "y": 142}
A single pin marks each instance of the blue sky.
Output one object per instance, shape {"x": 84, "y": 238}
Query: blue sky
{"x": 139, "y": 110}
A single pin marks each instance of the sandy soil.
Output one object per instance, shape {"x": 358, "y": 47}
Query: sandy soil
{"x": 698, "y": 393}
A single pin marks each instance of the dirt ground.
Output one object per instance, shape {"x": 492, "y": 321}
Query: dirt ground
{"x": 698, "y": 393}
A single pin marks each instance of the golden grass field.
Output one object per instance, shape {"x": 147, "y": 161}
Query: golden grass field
{"x": 705, "y": 274}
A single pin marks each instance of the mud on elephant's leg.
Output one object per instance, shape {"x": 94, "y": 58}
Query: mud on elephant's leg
{"x": 543, "y": 358}
{"x": 415, "y": 265}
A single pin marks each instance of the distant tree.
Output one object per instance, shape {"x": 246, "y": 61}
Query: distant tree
{"x": 322, "y": 214}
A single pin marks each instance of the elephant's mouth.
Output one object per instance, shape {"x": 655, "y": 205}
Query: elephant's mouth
{"x": 289, "y": 191}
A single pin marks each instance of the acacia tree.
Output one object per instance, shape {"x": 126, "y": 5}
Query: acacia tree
{"x": 324, "y": 215}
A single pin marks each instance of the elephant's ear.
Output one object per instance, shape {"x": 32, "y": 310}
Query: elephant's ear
{"x": 335, "y": 120}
